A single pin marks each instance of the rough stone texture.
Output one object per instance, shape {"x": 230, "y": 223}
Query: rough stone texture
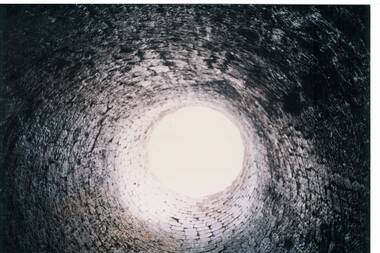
{"x": 81, "y": 86}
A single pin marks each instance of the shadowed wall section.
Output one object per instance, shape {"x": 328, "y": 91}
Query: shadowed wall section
{"x": 83, "y": 85}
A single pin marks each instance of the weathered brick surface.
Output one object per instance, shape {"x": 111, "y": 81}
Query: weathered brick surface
{"x": 84, "y": 84}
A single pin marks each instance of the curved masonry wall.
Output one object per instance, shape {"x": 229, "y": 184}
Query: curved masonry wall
{"x": 84, "y": 85}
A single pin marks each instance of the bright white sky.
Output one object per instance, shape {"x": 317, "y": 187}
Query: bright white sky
{"x": 196, "y": 151}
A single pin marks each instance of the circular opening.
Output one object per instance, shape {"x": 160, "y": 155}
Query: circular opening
{"x": 195, "y": 151}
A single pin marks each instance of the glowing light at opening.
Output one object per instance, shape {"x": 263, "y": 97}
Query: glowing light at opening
{"x": 195, "y": 151}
